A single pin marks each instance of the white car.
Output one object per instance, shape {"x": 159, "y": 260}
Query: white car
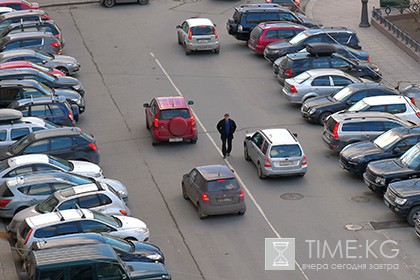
{"x": 25, "y": 164}
{"x": 397, "y": 105}
{"x": 73, "y": 221}
{"x": 4, "y": 10}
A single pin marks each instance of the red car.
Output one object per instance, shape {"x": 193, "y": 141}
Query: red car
{"x": 27, "y": 64}
{"x": 269, "y": 32}
{"x": 19, "y": 5}
{"x": 170, "y": 119}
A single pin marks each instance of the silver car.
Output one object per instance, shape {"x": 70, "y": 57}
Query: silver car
{"x": 198, "y": 34}
{"x": 316, "y": 82}
{"x": 275, "y": 152}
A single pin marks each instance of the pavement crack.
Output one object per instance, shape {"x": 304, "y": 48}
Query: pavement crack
{"x": 175, "y": 221}
{"x": 92, "y": 57}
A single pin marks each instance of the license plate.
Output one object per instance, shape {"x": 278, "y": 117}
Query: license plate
{"x": 227, "y": 199}
{"x": 203, "y": 41}
{"x": 175, "y": 139}
{"x": 285, "y": 163}
{"x": 386, "y": 203}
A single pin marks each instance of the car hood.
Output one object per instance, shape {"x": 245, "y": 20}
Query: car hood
{"x": 279, "y": 46}
{"x": 25, "y": 213}
{"x": 406, "y": 188}
{"x": 116, "y": 185}
{"x": 67, "y": 81}
{"x": 365, "y": 148}
{"x": 64, "y": 59}
{"x": 87, "y": 169}
{"x": 318, "y": 102}
{"x": 388, "y": 166}
{"x": 144, "y": 249}
{"x": 67, "y": 93}
{"x": 130, "y": 222}
{"x": 145, "y": 270}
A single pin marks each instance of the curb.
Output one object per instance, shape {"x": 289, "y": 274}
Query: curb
{"x": 309, "y": 8}
{"x": 70, "y": 3}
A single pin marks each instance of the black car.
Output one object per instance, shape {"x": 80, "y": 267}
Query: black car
{"x": 325, "y": 56}
{"x": 246, "y": 17}
{"x": 66, "y": 143}
{"x": 62, "y": 82}
{"x": 379, "y": 174}
{"x": 12, "y": 90}
{"x": 403, "y": 198}
{"x": 343, "y": 36}
{"x": 317, "y": 109}
{"x": 391, "y": 144}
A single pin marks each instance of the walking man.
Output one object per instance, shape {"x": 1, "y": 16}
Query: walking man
{"x": 226, "y": 128}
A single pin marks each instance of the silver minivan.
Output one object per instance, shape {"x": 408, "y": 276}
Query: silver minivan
{"x": 275, "y": 152}
{"x": 198, "y": 34}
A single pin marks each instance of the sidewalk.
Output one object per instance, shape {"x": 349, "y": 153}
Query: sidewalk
{"x": 52, "y": 3}
{"x": 392, "y": 61}
{"x": 7, "y": 263}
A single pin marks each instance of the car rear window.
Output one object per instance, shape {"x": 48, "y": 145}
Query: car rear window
{"x": 302, "y": 77}
{"x": 286, "y": 63}
{"x": 222, "y": 185}
{"x": 202, "y": 30}
{"x": 330, "y": 124}
{"x": 173, "y": 113}
{"x": 5, "y": 191}
{"x": 282, "y": 151}
{"x": 24, "y": 229}
{"x": 256, "y": 32}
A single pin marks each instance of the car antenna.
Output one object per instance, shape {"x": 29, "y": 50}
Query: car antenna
{"x": 81, "y": 211}
{"x": 60, "y": 214}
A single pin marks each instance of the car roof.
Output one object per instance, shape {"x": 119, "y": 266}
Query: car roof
{"x": 24, "y": 35}
{"x": 26, "y": 82}
{"x": 365, "y": 115}
{"x": 17, "y": 52}
{"x": 70, "y": 240}
{"x": 171, "y": 102}
{"x": 26, "y": 159}
{"x": 37, "y": 177}
{"x": 386, "y": 99}
{"x": 30, "y": 24}
{"x": 48, "y": 133}
{"x": 214, "y": 172}
{"x": 21, "y": 13}
{"x": 279, "y": 136}
{"x": 81, "y": 189}
{"x": 261, "y": 8}
{"x": 59, "y": 216}
{"x": 314, "y": 31}
{"x": 10, "y": 115}
{"x": 20, "y": 63}
{"x": 38, "y": 100}
{"x": 199, "y": 21}
{"x": 326, "y": 71}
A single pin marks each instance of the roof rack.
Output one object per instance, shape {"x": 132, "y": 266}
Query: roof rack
{"x": 80, "y": 210}
{"x": 59, "y": 213}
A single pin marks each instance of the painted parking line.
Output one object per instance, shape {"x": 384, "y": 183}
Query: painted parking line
{"x": 250, "y": 195}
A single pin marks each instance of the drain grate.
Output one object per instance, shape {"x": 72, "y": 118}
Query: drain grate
{"x": 360, "y": 198}
{"x": 291, "y": 196}
{"x": 389, "y": 224}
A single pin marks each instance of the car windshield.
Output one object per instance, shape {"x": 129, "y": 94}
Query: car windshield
{"x": 298, "y": 38}
{"x": 343, "y": 94}
{"x": 387, "y": 140}
{"x": 79, "y": 180}
{"x": 359, "y": 106}
{"x": 412, "y": 158}
{"x": 47, "y": 205}
{"x": 110, "y": 220}
{"x": 302, "y": 77}
{"x": 202, "y": 30}
{"x": 20, "y": 145}
{"x": 126, "y": 246}
{"x": 282, "y": 151}
{"x": 173, "y": 113}
{"x": 222, "y": 185}
{"x": 61, "y": 163}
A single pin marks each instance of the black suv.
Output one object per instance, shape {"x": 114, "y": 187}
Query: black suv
{"x": 403, "y": 198}
{"x": 383, "y": 172}
{"x": 246, "y": 17}
{"x": 325, "y": 56}
{"x": 66, "y": 143}
{"x": 391, "y": 144}
{"x": 316, "y": 110}
{"x": 330, "y": 35}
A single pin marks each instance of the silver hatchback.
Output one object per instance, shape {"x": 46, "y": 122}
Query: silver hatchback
{"x": 198, "y": 34}
{"x": 275, "y": 152}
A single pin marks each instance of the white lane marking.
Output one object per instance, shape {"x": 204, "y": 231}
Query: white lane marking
{"x": 257, "y": 205}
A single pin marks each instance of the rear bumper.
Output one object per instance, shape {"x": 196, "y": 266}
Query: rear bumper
{"x": 292, "y": 97}
{"x": 270, "y": 172}
{"x": 203, "y": 47}
{"x": 7, "y": 213}
{"x": 173, "y": 138}
{"x": 333, "y": 144}
{"x": 209, "y": 209}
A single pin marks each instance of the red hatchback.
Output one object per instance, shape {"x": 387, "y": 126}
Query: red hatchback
{"x": 170, "y": 119}
{"x": 19, "y": 5}
{"x": 269, "y": 32}
{"x": 27, "y": 64}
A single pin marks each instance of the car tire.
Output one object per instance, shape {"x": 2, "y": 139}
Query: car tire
{"x": 155, "y": 142}
{"x": 260, "y": 173}
{"x": 130, "y": 239}
{"x": 184, "y": 192}
{"x": 216, "y": 51}
{"x": 323, "y": 117}
{"x": 413, "y": 215}
{"x": 108, "y": 3}
{"x": 201, "y": 214}
{"x": 241, "y": 213}
{"x": 246, "y": 155}
{"x": 187, "y": 51}
{"x": 194, "y": 140}
{"x": 64, "y": 70}
{"x": 147, "y": 125}
{"x": 143, "y": 2}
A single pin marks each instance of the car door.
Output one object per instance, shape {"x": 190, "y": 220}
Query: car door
{"x": 321, "y": 85}
{"x": 405, "y": 144}
{"x": 63, "y": 147}
{"x": 151, "y": 112}
{"x": 95, "y": 226}
{"x": 37, "y": 147}
{"x": 355, "y": 97}
{"x": 372, "y": 129}
{"x": 18, "y": 133}
{"x": 188, "y": 184}
{"x": 57, "y": 114}
{"x": 338, "y": 82}
{"x": 255, "y": 144}
{"x": 41, "y": 111}
{"x": 91, "y": 202}
{"x": 67, "y": 228}
{"x": 37, "y": 193}
{"x": 34, "y": 44}
{"x": 180, "y": 33}
{"x": 400, "y": 110}
{"x": 196, "y": 188}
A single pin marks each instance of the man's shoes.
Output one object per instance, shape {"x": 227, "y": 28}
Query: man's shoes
{"x": 228, "y": 154}
{"x": 224, "y": 156}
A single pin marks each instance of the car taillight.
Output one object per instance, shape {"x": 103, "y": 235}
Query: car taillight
{"x": 4, "y": 202}
{"x": 27, "y": 236}
{"x": 205, "y": 198}
{"x": 192, "y": 121}
{"x": 93, "y": 147}
{"x": 56, "y": 44}
{"x": 123, "y": 212}
{"x": 335, "y": 130}
{"x": 304, "y": 162}
{"x": 241, "y": 194}
{"x": 190, "y": 35}
{"x": 297, "y": 2}
{"x": 418, "y": 114}
{"x": 215, "y": 33}
{"x": 293, "y": 89}
{"x": 269, "y": 1}
{"x": 368, "y": 59}
{"x": 47, "y": 17}
{"x": 70, "y": 116}
{"x": 156, "y": 123}
{"x": 267, "y": 163}
{"x": 288, "y": 72}
{"x": 413, "y": 100}
{"x": 57, "y": 36}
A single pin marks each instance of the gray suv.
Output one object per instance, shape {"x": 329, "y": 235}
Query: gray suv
{"x": 275, "y": 152}
{"x": 42, "y": 41}
{"x": 344, "y": 128}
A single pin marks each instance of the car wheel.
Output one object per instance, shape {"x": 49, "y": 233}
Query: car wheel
{"x": 20, "y": 209}
{"x": 413, "y": 215}
{"x": 216, "y": 51}
{"x": 194, "y": 140}
{"x": 143, "y": 2}
{"x": 323, "y": 117}
{"x": 260, "y": 172}
{"x": 184, "y": 192}
{"x": 155, "y": 142}
{"x": 201, "y": 214}
{"x": 64, "y": 70}
{"x": 241, "y": 213}
{"x": 187, "y": 51}
{"x": 246, "y": 155}
{"x": 301, "y": 175}
{"x": 109, "y": 3}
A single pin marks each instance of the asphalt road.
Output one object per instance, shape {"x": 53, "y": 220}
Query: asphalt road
{"x": 129, "y": 54}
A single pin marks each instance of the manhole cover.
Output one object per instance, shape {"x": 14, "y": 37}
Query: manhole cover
{"x": 353, "y": 227}
{"x": 359, "y": 198}
{"x": 291, "y": 196}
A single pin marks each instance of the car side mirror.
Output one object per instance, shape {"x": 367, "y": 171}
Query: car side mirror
{"x": 190, "y": 102}
{"x": 349, "y": 67}
{"x": 44, "y": 61}
{"x": 349, "y": 102}
{"x": 178, "y": 26}
{"x": 214, "y": 25}
{"x": 397, "y": 150}
{"x": 248, "y": 137}
{"x": 146, "y": 105}
{"x": 295, "y": 134}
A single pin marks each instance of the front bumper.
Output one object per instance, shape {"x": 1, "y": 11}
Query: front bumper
{"x": 351, "y": 166}
{"x": 397, "y": 209}
{"x": 375, "y": 187}
{"x": 313, "y": 118}
{"x": 209, "y": 209}
{"x": 270, "y": 56}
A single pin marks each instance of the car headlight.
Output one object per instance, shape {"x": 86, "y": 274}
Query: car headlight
{"x": 240, "y": 28}
{"x": 154, "y": 257}
{"x": 380, "y": 180}
{"x": 142, "y": 230}
{"x": 77, "y": 87}
{"x": 312, "y": 111}
{"x": 400, "y": 201}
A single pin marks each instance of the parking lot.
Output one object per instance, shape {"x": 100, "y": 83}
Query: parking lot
{"x": 129, "y": 55}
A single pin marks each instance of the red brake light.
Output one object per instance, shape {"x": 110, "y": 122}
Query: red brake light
{"x": 70, "y": 116}
{"x": 368, "y": 59}
{"x": 27, "y": 236}
{"x": 335, "y": 130}
{"x": 56, "y": 44}
{"x": 293, "y": 89}
{"x": 241, "y": 194}
{"x": 304, "y": 162}
{"x": 93, "y": 147}
{"x": 220, "y": 181}
{"x": 267, "y": 163}
{"x": 418, "y": 114}
{"x": 205, "y": 198}
{"x": 192, "y": 121}
{"x": 123, "y": 212}
{"x": 288, "y": 72}
{"x": 47, "y": 17}
{"x": 413, "y": 100}
{"x": 4, "y": 202}
{"x": 156, "y": 123}
{"x": 190, "y": 34}
{"x": 215, "y": 33}
{"x": 297, "y": 2}
{"x": 57, "y": 36}
{"x": 269, "y": 1}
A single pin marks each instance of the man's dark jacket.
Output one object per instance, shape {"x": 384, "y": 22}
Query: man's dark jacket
{"x": 221, "y": 127}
